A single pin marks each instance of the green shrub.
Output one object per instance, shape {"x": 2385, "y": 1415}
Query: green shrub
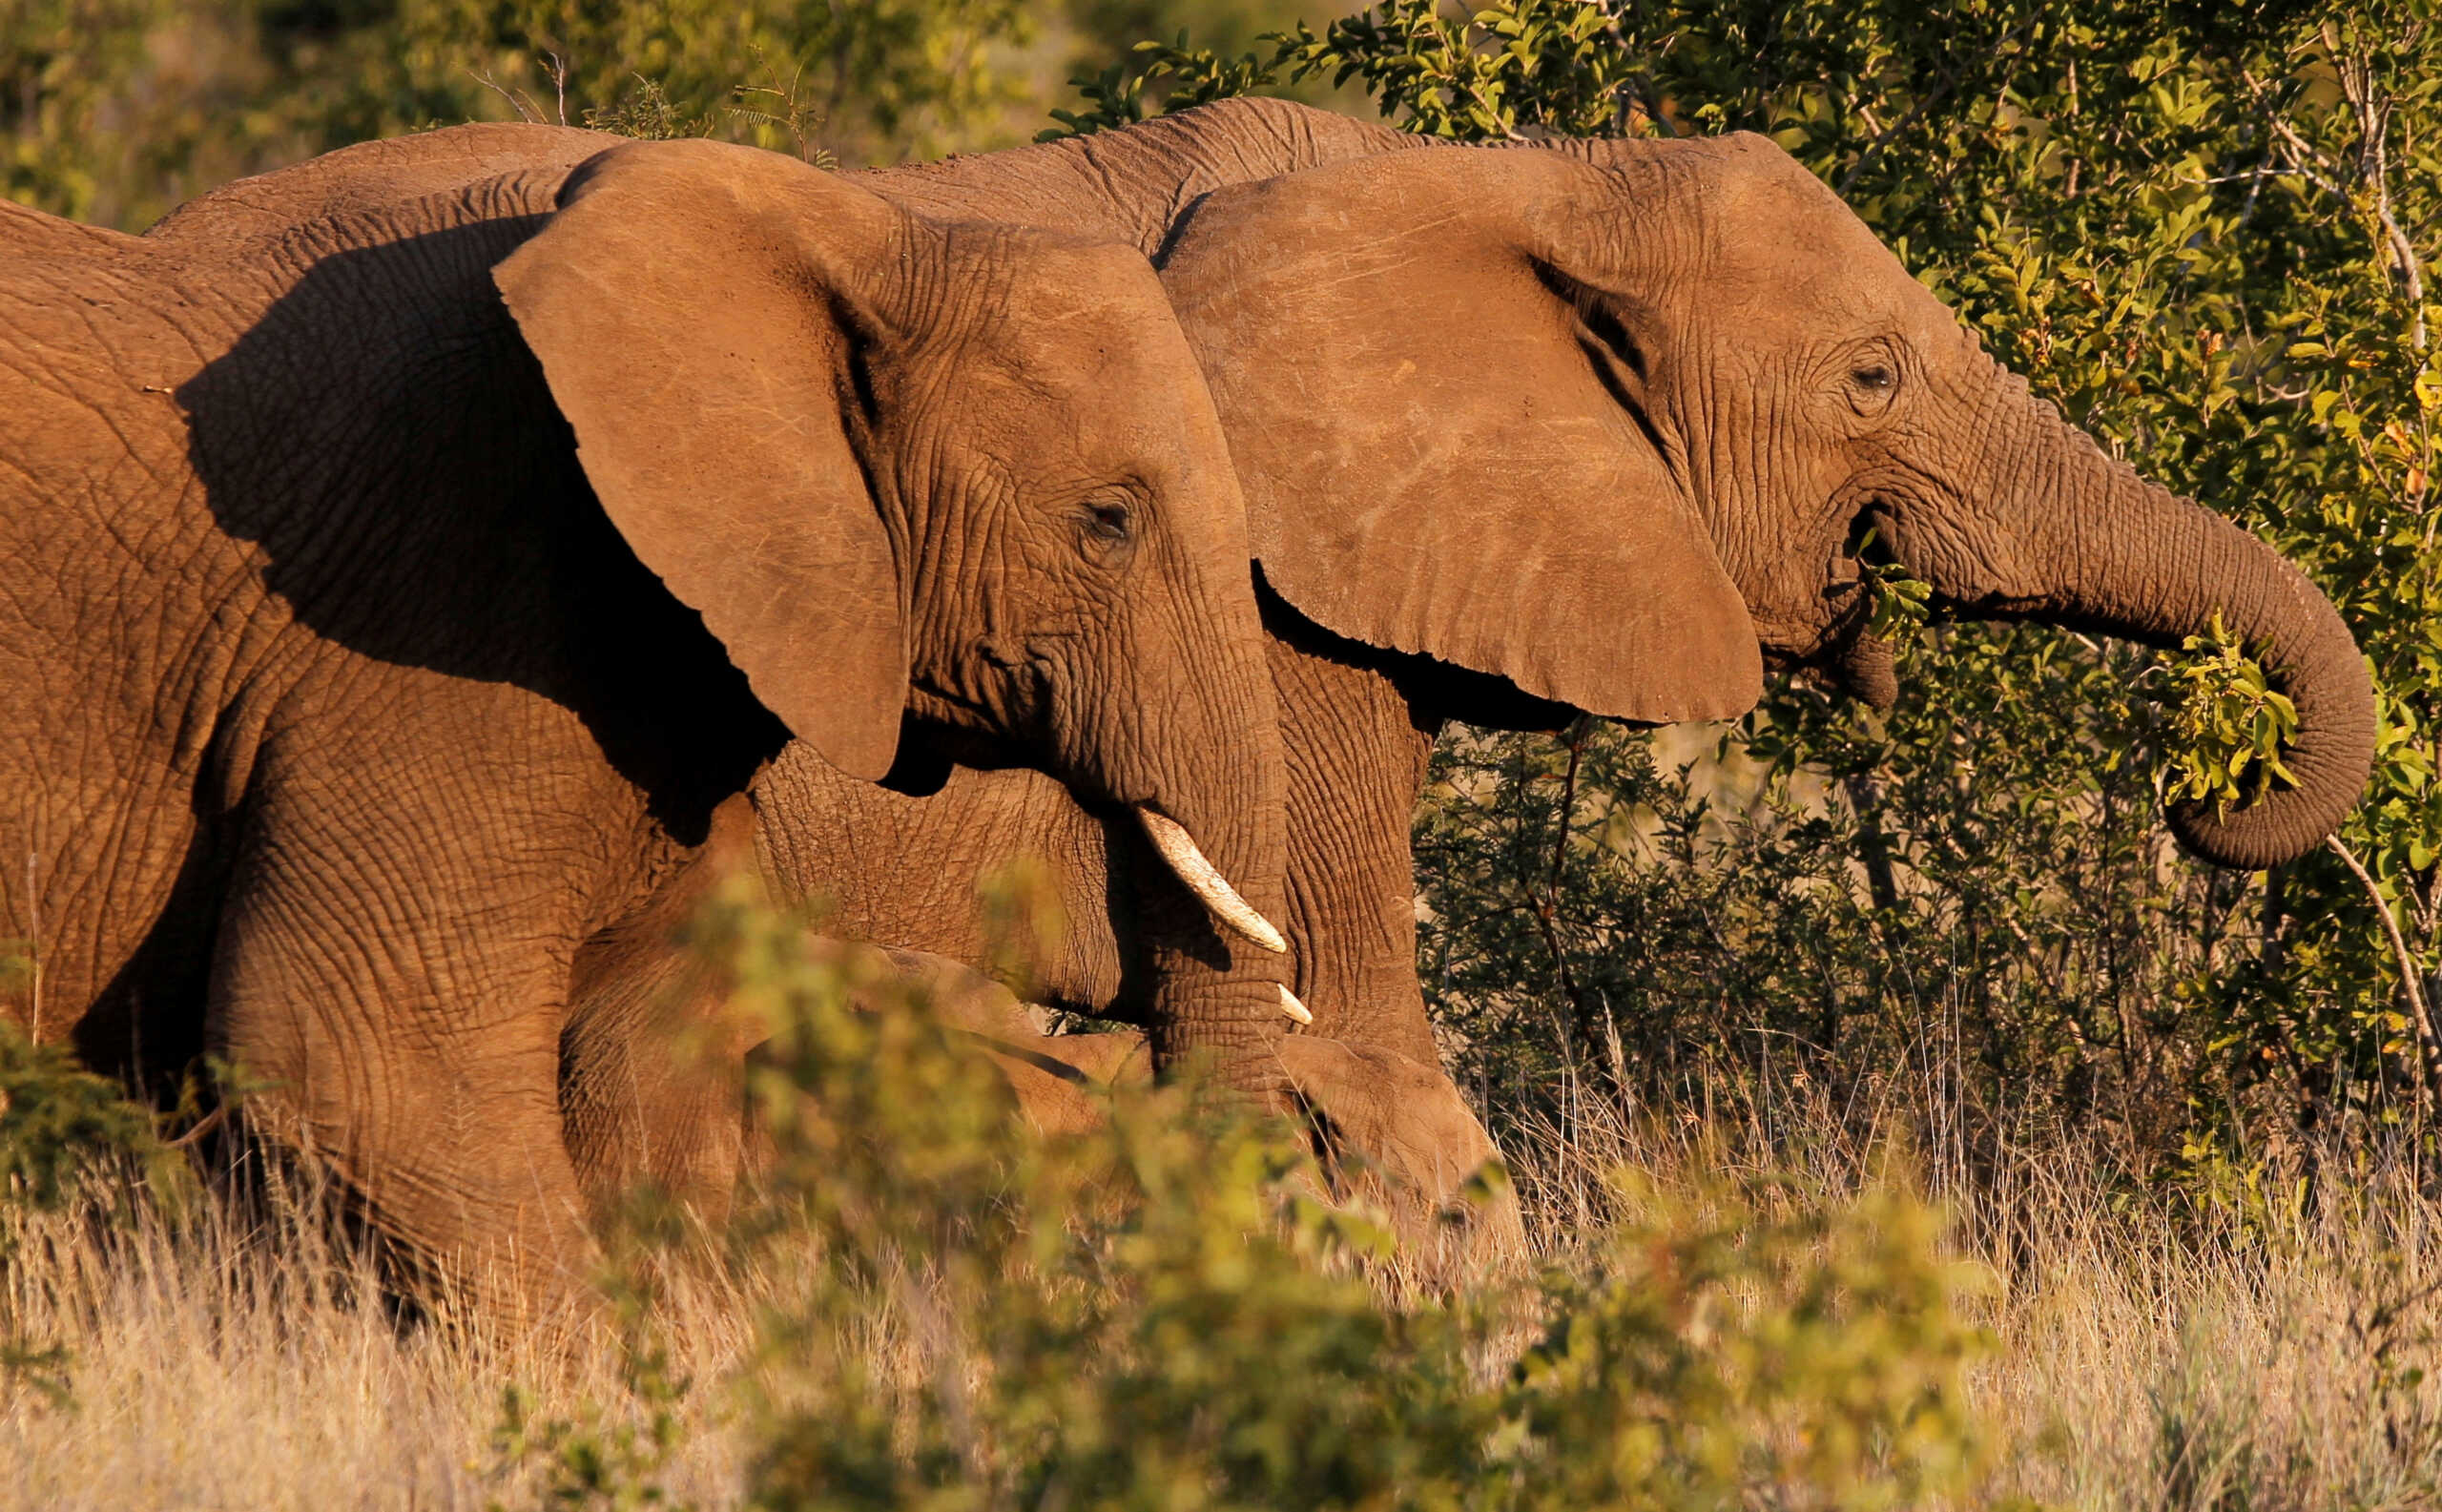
{"x": 65, "y": 1132}
{"x": 1163, "y": 1314}
{"x": 61, "y": 1126}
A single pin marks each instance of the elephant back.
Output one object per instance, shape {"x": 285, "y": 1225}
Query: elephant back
{"x": 1131, "y": 184}
{"x": 484, "y": 170}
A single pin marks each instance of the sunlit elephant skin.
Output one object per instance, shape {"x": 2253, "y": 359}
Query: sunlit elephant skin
{"x": 407, "y": 560}
{"x": 1531, "y": 431}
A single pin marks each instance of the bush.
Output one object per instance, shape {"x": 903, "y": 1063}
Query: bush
{"x": 65, "y": 1133}
{"x": 1162, "y": 1315}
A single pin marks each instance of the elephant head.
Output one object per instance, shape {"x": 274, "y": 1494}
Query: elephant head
{"x": 1612, "y": 421}
{"x": 908, "y": 467}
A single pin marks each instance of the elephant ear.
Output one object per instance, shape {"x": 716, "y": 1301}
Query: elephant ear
{"x": 699, "y": 311}
{"x": 1439, "y": 453}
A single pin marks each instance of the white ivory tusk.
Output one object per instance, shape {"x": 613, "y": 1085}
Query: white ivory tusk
{"x": 1295, "y": 1009}
{"x": 1204, "y": 879}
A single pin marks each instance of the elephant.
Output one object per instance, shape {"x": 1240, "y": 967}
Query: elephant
{"x": 1529, "y": 432}
{"x": 409, "y": 559}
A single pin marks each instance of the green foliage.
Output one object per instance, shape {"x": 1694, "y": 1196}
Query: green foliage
{"x": 116, "y": 110}
{"x": 110, "y": 109}
{"x": 1726, "y": 1346}
{"x": 1902, "y": 604}
{"x": 60, "y": 1123}
{"x": 646, "y": 113}
{"x": 890, "y": 77}
{"x": 1515, "y": 66}
{"x": 1161, "y": 1313}
{"x": 596, "y": 1459}
{"x": 64, "y": 1131}
{"x": 2229, "y": 726}
{"x": 1195, "y": 76}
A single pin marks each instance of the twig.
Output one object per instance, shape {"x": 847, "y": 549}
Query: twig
{"x": 203, "y": 1126}
{"x": 33, "y": 941}
{"x": 2374, "y": 170}
{"x": 560, "y": 84}
{"x": 524, "y": 107}
{"x": 1568, "y": 804}
{"x": 2356, "y": 78}
{"x": 2429, "y": 1038}
{"x": 1543, "y": 904}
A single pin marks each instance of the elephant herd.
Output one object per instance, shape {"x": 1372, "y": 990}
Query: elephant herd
{"x": 426, "y": 572}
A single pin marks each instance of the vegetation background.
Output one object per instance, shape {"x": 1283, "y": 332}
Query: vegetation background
{"x": 2185, "y": 1116}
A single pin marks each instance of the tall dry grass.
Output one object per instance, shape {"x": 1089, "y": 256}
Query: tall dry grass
{"x": 2256, "y": 1353}
{"x": 246, "y": 1357}
{"x": 2272, "y": 1345}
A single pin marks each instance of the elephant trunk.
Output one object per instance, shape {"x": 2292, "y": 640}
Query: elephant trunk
{"x": 2097, "y": 546}
{"x": 1229, "y": 911}
{"x": 1188, "y": 743}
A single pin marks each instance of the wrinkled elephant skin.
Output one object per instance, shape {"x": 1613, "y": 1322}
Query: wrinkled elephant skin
{"x": 407, "y": 560}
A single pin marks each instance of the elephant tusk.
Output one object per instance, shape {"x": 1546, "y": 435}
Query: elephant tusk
{"x": 1295, "y": 1009}
{"x": 1204, "y": 879}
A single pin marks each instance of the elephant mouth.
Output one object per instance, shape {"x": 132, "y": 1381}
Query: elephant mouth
{"x": 1846, "y": 654}
{"x": 1862, "y": 666}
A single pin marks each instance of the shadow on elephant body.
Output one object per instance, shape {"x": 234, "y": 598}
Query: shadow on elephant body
{"x": 386, "y": 441}
{"x": 146, "y": 1024}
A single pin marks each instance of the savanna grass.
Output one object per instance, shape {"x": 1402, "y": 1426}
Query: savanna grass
{"x": 928, "y": 1308}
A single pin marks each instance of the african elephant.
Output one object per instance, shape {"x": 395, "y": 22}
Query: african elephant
{"x": 408, "y": 559}
{"x": 1535, "y": 430}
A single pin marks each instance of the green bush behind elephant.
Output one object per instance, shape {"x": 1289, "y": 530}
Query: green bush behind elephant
{"x": 360, "y": 726}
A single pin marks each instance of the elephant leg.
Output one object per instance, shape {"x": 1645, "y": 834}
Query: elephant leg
{"x": 1054, "y": 1077}
{"x": 650, "y": 1080}
{"x": 404, "y": 1039}
{"x": 651, "y": 1072}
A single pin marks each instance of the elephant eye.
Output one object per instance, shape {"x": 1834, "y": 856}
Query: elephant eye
{"x": 1109, "y": 523}
{"x": 1872, "y": 381}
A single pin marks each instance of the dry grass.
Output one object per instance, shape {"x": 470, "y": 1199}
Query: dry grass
{"x": 2145, "y": 1359}
{"x": 2264, "y": 1353}
{"x": 251, "y": 1363}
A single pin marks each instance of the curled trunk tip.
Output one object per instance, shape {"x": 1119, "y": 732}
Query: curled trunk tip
{"x": 2093, "y": 546}
{"x": 2331, "y": 761}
